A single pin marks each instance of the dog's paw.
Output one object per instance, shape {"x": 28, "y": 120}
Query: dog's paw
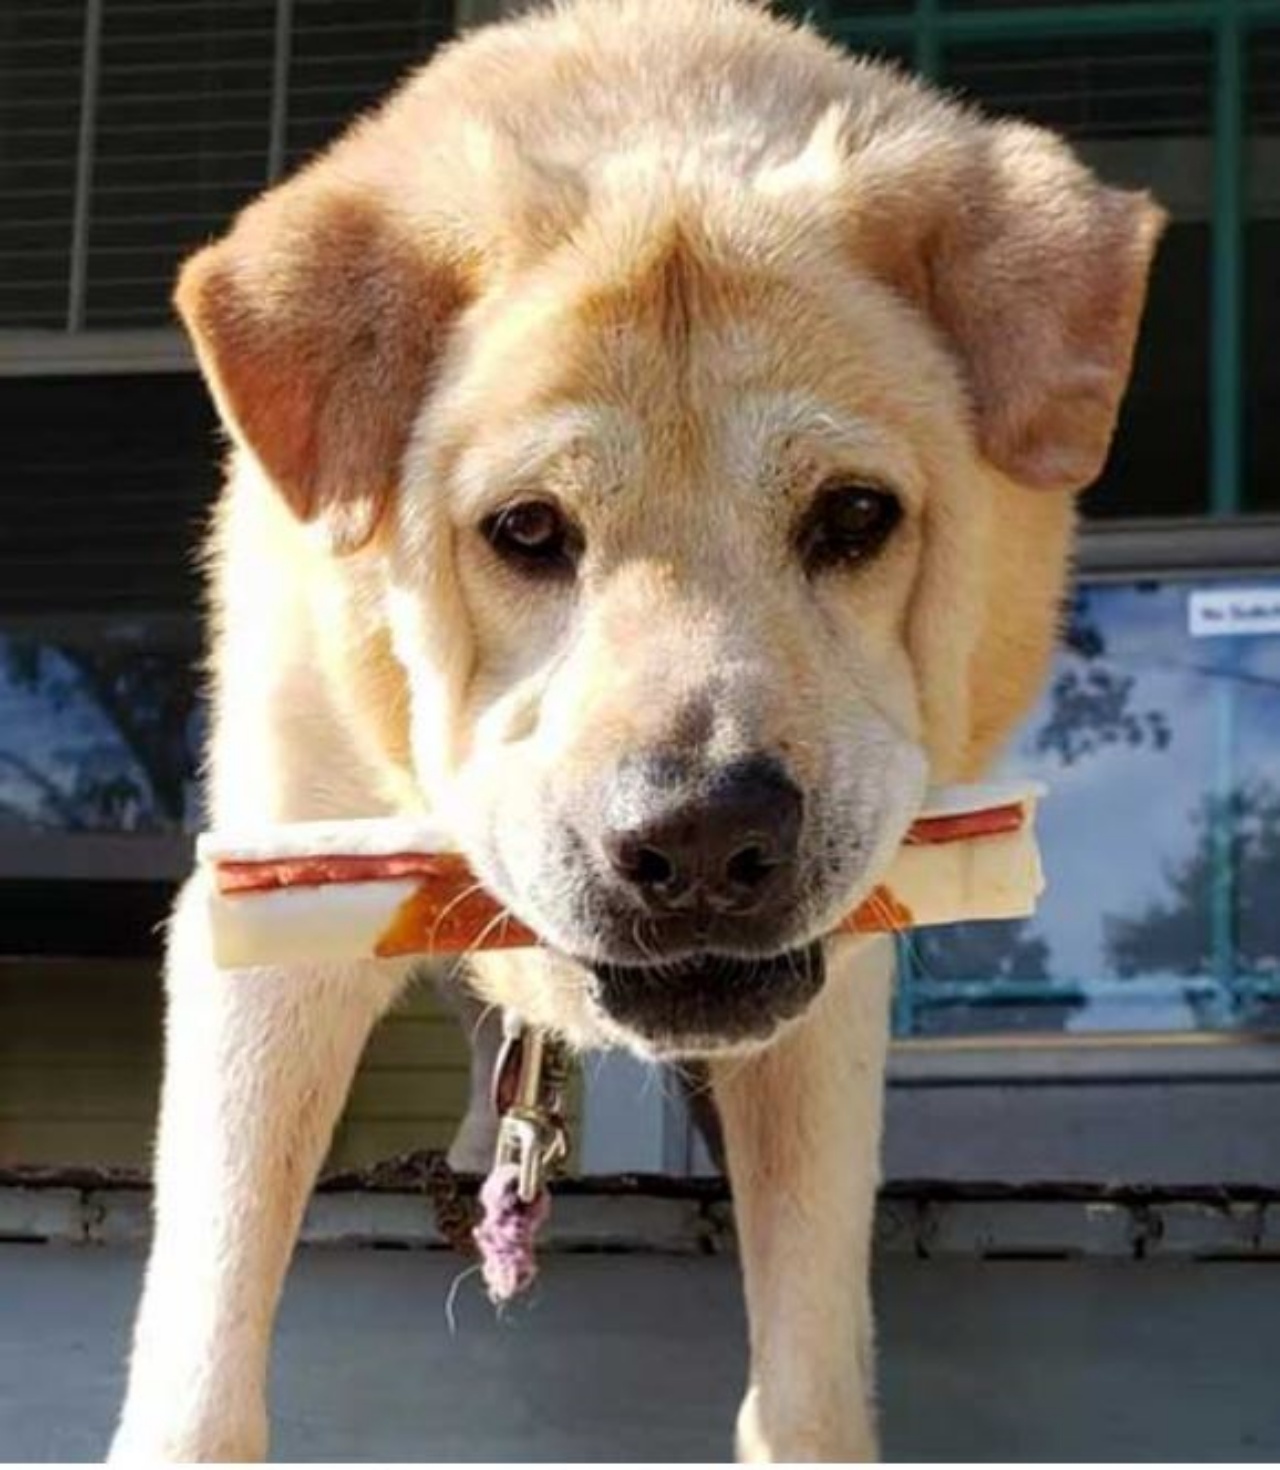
{"x": 204, "y": 1444}
{"x": 802, "y": 1439}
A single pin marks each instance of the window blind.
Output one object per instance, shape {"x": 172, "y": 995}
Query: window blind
{"x": 130, "y": 130}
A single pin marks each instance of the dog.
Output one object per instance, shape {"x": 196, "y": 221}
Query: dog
{"x": 654, "y": 443}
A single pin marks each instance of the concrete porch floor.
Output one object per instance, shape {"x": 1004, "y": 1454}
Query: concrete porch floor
{"x": 639, "y": 1357}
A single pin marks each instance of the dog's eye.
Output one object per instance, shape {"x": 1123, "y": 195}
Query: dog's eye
{"x": 535, "y": 536}
{"x": 847, "y": 524}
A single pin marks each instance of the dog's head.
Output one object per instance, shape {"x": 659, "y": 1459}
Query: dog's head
{"x": 716, "y": 487}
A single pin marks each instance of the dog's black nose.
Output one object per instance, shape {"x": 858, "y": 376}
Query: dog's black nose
{"x": 724, "y": 843}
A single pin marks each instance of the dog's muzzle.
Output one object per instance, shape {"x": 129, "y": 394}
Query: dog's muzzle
{"x": 695, "y": 875}
{"x": 706, "y": 1003}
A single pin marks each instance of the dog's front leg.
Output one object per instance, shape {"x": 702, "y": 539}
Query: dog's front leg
{"x": 257, "y": 1066}
{"x": 802, "y": 1132}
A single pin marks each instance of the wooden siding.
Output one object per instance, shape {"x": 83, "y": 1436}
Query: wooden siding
{"x": 80, "y": 1069}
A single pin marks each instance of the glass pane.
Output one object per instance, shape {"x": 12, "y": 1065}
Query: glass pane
{"x": 1020, "y": 4}
{"x": 182, "y": 131}
{"x": 1262, "y": 282}
{"x": 846, "y": 14}
{"x": 1093, "y": 87}
{"x": 100, "y": 727}
{"x": 40, "y": 48}
{"x": 346, "y": 56}
{"x": 106, "y": 488}
{"x": 1159, "y": 458}
{"x": 1138, "y": 109}
{"x": 1160, "y": 835}
{"x": 184, "y": 98}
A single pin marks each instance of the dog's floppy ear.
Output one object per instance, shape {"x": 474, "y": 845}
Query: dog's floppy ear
{"x": 1034, "y": 271}
{"x": 317, "y": 320}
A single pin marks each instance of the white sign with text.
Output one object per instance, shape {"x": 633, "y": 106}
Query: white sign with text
{"x": 1234, "y": 612}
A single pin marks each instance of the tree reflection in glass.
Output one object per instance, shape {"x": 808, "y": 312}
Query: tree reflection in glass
{"x": 99, "y": 728}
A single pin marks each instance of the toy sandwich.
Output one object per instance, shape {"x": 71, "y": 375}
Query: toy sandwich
{"x": 390, "y": 887}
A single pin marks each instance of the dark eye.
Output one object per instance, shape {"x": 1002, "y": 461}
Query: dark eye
{"x": 534, "y": 536}
{"x": 847, "y": 524}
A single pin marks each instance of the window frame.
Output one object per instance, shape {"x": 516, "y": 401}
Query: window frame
{"x": 33, "y": 353}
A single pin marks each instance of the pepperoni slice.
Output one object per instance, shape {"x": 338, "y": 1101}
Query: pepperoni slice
{"x": 962, "y": 825}
{"x": 261, "y": 875}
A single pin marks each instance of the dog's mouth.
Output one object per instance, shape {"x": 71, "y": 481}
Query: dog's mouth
{"x": 704, "y": 1003}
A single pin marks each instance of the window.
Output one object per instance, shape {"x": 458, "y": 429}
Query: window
{"x": 102, "y": 509}
{"x": 101, "y": 726}
{"x": 1180, "y": 99}
{"x": 132, "y": 129}
{"x": 107, "y": 486}
{"x": 1161, "y": 831}
{"x": 100, "y": 738}
{"x": 1158, "y": 744}
{"x": 1139, "y": 109}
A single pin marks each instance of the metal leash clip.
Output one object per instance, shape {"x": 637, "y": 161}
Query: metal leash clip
{"x": 528, "y": 1094}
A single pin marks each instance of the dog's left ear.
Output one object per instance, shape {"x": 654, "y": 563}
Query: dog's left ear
{"x": 1034, "y": 271}
{"x": 317, "y": 321}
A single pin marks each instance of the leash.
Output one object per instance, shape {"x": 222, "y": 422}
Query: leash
{"x": 530, "y": 1079}
{"x": 454, "y": 1211}
{"x": 529, "y": 1082}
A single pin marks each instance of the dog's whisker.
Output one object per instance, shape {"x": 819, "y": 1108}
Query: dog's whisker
{"x": 452, "y": 906}
{"x": 500, "y": 919}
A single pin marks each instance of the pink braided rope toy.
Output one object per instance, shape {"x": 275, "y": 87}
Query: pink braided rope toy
{"x": 506, "y": 1234}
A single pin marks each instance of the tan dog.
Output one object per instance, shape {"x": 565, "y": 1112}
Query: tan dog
{"x": 653, "y": 432}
